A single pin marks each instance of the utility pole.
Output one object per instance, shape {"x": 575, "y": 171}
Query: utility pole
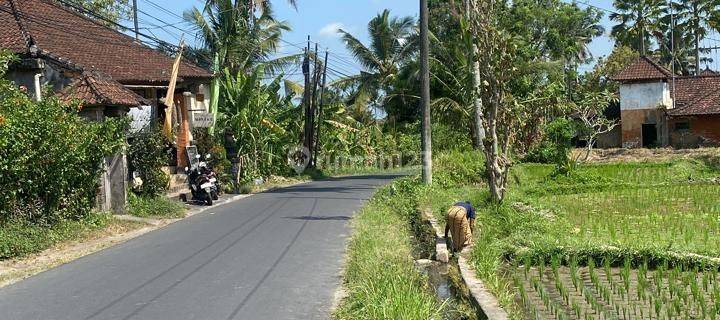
{"x": 135, "y": 19}
{"x": 425, "y": 93}
{"x": 313, "y": 107}
{"x": 320, "y": 110}
{"x": 306, "y": 98}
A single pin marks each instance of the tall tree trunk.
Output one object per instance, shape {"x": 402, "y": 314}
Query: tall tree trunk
{"x": 642, "y": 34}
{"x": 495, "y": 162}
{"x": 476, "y": 93}
{"x": 478, "y": 103}
{"x": 214, "y": 92}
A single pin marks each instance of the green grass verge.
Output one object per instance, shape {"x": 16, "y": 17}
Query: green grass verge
{"x": 380, "y": 275}
{"x": 157, "y": 207}
{"x": 21, "y": 238}
{"x": 381, "y": 278}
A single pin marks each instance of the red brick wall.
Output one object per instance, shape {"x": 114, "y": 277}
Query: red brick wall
{"x": 704, "y": 131}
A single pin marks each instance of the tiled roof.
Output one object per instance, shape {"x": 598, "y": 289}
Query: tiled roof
{"x": 69, "y": 36}
{"x": 94, "y": 88}
{"x": 696, "y": 95}
{"x": 642, "y": 69}
{"x": 708, "y": 72}
{"x": 11, "y": 35}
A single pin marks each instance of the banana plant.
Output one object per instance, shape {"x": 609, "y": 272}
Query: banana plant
{"x": 261, "y": 120}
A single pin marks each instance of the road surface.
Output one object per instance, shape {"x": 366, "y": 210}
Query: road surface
{"x": 275, "y": 255}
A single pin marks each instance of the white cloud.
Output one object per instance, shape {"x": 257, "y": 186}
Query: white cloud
{"x": 331, "y": 30}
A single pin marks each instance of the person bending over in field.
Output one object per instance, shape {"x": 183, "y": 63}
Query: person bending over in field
{"x": 461, "y": 224}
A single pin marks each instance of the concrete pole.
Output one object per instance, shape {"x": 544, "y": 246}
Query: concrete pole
{"x": 135, "y": 19}
{"x": 425, "y": 93}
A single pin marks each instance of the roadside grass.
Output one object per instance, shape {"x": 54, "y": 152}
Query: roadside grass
{"x": 381, "y": 278}
{"x": 20, "y": 238}
{"x": 380, "y": 275}
{"x": 359, "y": 170}
{"x": 155, "y": 207}
{"x": 620, "y": 215}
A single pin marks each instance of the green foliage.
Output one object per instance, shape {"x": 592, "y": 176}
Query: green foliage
{"x": 113, "y": 10}
{"x": 652, "y": 213}
{"x": 19, "y": 238}
{"x": 447, "y": 137}
{"x": 380, "y": 264}
{"x": 237, "y": 37}
{"x": 146, "y": 155}
{"x": 157, "y": 207}
{"x": 50, "y": 158}
{"x": 392, "y": 44}
{"x": 210, "y": 144}
{"x": 261, "y": 120}
{"x": 600, "y": 78}
{"x": 556, "y": 144}
{"x": 458, "y": 168}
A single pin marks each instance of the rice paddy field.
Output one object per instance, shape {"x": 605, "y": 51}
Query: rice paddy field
{"x": 609, "y": 241}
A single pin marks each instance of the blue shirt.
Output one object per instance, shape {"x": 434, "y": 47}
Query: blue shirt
{"x": 468, "y": 208}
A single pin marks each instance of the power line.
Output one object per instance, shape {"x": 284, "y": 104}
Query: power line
{"x": 164, "y": 9}
{"x": 594, "y": 6}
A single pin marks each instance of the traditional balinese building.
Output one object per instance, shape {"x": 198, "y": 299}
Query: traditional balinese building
{"x": 658, "y": 109}
{"x": 113, "y": 74}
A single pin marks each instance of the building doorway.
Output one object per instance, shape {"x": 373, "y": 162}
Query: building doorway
{"x": 649, "y": 135}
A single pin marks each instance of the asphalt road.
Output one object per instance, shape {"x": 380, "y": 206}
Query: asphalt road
{"x": 275, "y": 255}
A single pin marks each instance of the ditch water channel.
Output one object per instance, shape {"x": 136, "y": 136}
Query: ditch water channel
{"x": 443, "y": 278}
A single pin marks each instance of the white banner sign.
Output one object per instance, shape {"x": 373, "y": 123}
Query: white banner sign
{"x": 201, "y": 119}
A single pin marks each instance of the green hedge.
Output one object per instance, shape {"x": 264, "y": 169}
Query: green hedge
{"x": 50, "y": 157}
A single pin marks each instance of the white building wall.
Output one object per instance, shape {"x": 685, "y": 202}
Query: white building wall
{"x": 643, "y": 96}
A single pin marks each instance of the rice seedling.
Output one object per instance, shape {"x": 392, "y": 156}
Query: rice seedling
{"x": 616, "y": 241}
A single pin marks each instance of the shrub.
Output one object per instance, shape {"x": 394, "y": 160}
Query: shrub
{"x": 458, "y": 168}
{"x": 208, "y": 144}
{"x": 50, "y": 158}
{"x": 556, "y": 144}
{"x": 450, "y": 138}
{"x": 145, "y": 206}
{"x": 147, "y": 157}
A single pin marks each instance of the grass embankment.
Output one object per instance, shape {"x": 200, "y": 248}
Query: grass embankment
{"x": 381, "y": 278}
{"x": 155, "y": 207}
{"x": 639, "y": 221}
{"x": 19, "y": 238}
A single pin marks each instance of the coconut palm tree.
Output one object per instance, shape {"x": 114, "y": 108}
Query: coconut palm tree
{"x": 237, "y": 39}
{"x": 698, "y": 17}
{"x": 224, "y": 28}
{"x": 638, "y": 21}
{"x": 392, "y": 45}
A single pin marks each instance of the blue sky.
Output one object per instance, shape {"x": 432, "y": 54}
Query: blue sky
{"x": 320, "y": 19}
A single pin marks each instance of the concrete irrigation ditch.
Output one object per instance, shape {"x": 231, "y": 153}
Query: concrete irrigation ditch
{"x": 483, "y": 300}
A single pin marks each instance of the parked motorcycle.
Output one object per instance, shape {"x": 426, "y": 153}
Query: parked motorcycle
{"x": 201, "y": 187}
{"x": 207, "y": 170}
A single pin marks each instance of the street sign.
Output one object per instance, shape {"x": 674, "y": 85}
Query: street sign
{"x": 201, "y": 119}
